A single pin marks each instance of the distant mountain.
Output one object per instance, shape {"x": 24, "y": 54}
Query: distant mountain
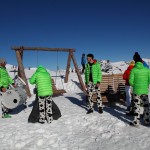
{"x": 116, "y": 67}
{"x": 113, "y": 67}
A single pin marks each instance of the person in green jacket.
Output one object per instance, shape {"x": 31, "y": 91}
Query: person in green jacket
{"x": 140, "y": 79}
{"x": 93, "y": 77}
{"x": 43, "y": 81}
{"x": 5, "y": 81}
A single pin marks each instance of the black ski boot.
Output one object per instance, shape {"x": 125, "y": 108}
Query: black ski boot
{"x": 89, "y": 111}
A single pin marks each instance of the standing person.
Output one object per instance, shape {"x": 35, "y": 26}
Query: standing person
{"x": 93, "y": 77}
{"x": 127, "y": 85}
{"x": 140, "y": 80}
{"x": 5, "y": 81}
{"x": 83, "y": 62}
{"x": 43, "y": 81}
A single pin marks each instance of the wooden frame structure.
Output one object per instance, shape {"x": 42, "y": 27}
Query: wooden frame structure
{"x": 19, "y": 55}
{"x": 112, "y": 89}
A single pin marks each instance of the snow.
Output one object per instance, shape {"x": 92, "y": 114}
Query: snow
{"x": 75, "y": 130}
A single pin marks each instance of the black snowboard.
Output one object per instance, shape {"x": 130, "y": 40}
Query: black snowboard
{"x": 34, "y": 115}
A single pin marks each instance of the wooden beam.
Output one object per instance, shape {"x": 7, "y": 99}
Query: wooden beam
{"x": 68, "y": 66}
{"x": 22, "y": 73}
{"x": 21, "y": 57}
{"x": 78, "y": 73}
{"x": 43, "y": 49}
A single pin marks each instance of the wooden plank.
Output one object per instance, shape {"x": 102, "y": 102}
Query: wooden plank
{"x": 112, "y": 88}
{"x": 56, "y": 91}
{"x": 107, "y": 84}
{"x": 42, "y": 49}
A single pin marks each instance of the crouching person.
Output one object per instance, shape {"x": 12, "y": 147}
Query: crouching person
{"x": 43, "y": 81}
{"x": 5, "y": 81}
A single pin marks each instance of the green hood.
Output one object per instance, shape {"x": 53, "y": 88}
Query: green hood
{"x": 139, "y": 65}
{"x": 41, "y": 69}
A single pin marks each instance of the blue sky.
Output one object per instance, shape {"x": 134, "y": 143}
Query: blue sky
{"x": 110, "y": 29}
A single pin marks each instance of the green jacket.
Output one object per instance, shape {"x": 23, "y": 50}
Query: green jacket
{"x": 140, "y": 79}
{"x": 5, "y": 79}
{"x": 96, "y": 73}
{"x": 43, "y": 81}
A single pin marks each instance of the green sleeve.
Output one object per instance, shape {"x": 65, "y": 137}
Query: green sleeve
{"x": 50, "y": 79}
{"x": 1, "y": 84}
{"x": 32, "y": 80}
{"x": 99, "y": 72}
{"x": 149, "y": 76}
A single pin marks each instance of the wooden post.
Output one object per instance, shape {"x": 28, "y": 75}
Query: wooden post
{"x": 68, "y": 66}
{"x": 78, "y": 73}
{"x": 21, "y": 57}
{"x": 21, "y": 71}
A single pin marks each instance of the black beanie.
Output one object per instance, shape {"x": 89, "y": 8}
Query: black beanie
{"x": 137, "y": 57}
{"x": 90, "y": 55}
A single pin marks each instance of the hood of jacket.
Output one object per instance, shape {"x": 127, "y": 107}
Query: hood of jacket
{"x": 139, "y": 65}
{"x": 41, "y": 69}
{"x": 94, "y": 61}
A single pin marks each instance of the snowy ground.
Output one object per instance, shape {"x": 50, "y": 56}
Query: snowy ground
{"x": 75, "y": 130}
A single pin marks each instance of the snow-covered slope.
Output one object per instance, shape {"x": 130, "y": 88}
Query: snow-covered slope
{"x": 75, "y": 130}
